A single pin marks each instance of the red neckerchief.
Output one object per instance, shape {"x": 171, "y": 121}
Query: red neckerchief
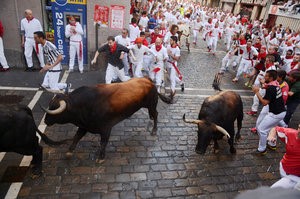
{"x": 29, "y": 19}
{"x": 134, "y": 24}
{"x": 289, "y": 56}
{"x": 265, "y": 35}
{"x": 248, "y": 49}
{"x": 262, "y": 55}
{"x": 257, "y": 46}
{"x": 74, "y": 24}
{"x": 158, "y": 48}
{"x": 293, "y": 64}
{"x": 268, "y": 65}
{"x": 113, "y": 48}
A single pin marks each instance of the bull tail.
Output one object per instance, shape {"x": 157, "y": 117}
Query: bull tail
{"x": 50, "y": 142}
{"x": 191, "y": 121}
{"x": 216, "y": 82}
{"x": 165, "y": 99}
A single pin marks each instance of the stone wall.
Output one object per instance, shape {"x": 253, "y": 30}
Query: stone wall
{"x": 103, "y": 33}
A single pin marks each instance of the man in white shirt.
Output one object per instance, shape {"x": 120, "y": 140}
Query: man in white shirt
{"x": 156, "y": 70}
{"x": 74, "y": 31}
{"x": 174, "y": 73}
{"x": 196, "y": 29}
{"x": 29, "y": 25}
{"x": 124, "y": 40}
{"x": 134, "y": 30}
{"x": 246, "y": 64}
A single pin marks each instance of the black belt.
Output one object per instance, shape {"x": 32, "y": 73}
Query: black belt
{"x": 54, "y": 71}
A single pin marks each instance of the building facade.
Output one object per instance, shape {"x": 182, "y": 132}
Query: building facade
{"x": 53, "y": 15}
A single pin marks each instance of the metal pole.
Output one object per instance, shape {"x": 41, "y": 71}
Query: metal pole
{"x": 96, "y": 33}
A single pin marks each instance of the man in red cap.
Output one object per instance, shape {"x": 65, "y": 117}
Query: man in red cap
{"x": 3, "y": 61}
{"x": 138, "y": 51}
{"x": 74, "y": 31}
{"x": 115, "y": 53}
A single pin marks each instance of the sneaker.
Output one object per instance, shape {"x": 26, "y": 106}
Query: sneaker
{"x": 272, "y": 148}
{"x": 29, "y": 69}
{"x": 81, "y": 72}
{"x": 253, "y": 130}
{"x": 235, "y": 80}
{"x": 252, "y": 113}
{"x": 261, "y": 153}
{"x": 4, "y": 69}
{"x": 182, "y": 87}
{"x": 67, "y": 89}
{"x": 71, "y": 70}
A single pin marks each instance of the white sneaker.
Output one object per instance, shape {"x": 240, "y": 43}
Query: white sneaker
{"x": 71, "y": 70}
{"x": 81, "y": 71}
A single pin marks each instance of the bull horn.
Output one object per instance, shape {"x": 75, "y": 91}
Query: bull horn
{"x": 191, "y": 121}
{"x": 61, "y": 108}
{"x": 222, "y": 130}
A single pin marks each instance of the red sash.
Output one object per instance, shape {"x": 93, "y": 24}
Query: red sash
{"x": 177, "y": 70}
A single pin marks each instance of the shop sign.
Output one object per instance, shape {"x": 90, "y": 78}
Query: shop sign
{"x": 101, "y": 14}
{"x": 65, "y": 2}
{"x": 255, "y": 2}
{"x": 117, "y": 17}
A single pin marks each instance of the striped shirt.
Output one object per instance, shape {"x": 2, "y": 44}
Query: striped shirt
{"x": 51, "y": 53}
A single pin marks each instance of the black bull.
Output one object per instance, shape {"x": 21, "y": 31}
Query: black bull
{"x": 216, "y": 119}
{"x": 18, "y": 134}
{"x": 96, "y": 109}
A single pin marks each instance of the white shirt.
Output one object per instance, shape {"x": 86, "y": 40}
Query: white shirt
{"x": 248, "y": 55}
{"x": 161, "y": 55}
{"x": 197, "y": 25}
{"x": 29, "y": 27}
{"x": 229, "y": 32}
{"x": 123, "y": 41}
{"x": 139, "y": 52}
{"x": 134, "y": 32}
{"x": 175, "y": 52}
{"x": 215, "y": 32}
{"x": 144, "y": 21}
{"x": 74, "y": 36}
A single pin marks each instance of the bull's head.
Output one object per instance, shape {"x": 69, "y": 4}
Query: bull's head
{"x": 56, "y": 111}
{"x": 206, "y": 131}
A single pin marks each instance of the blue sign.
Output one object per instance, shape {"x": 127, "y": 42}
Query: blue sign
{"x": 60, "y": 14}
{"x": 61, "y": 2}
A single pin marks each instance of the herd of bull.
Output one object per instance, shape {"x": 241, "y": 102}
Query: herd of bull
{"x": 96, "y": 109}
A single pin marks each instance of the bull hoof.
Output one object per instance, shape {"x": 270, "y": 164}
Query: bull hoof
{"x": 69, "y": 154}
{"x": 199, "y": 152}
{"x": 36, "y": 173}
{"x": 232, "y": 150}
{"x": 154, "y": 132}
{"x": 99, "y": 161}
{"x": 237, "y": 138}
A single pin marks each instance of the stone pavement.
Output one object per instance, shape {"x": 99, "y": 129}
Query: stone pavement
{"x": 137, "y": 164}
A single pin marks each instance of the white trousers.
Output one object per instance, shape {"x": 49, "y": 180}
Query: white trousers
{"x": 173, "y": 76}
{"x": 126, "y": 64}
{"x": 158, "y": 76}
{"x": 287, "y": 181}
{"x": 195, "y": 34}
{"x": 213, "y": 42}
{"x": 137, "y": 69}
{"x": 244, "y": 67}
{"x": 75, "y": 49}
{"x": 113, "y": 71}
{"x": 28, "y": 48}
{"x": 227, "y": 41}
{"x": 229, "y": 60}
{"x": 255, "y": 104}
{"x": 148, "y": 62}
{"x": 265, "y": 121}
{"x": 51, "y": 81}
{"x": 2, "y": 56}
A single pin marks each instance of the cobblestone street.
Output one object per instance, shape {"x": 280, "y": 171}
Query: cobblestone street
{"x": 137, "y": 164}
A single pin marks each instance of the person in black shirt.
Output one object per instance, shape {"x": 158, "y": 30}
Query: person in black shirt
{"x": 115, "y": 53}
{"x": 272, "y": 113}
